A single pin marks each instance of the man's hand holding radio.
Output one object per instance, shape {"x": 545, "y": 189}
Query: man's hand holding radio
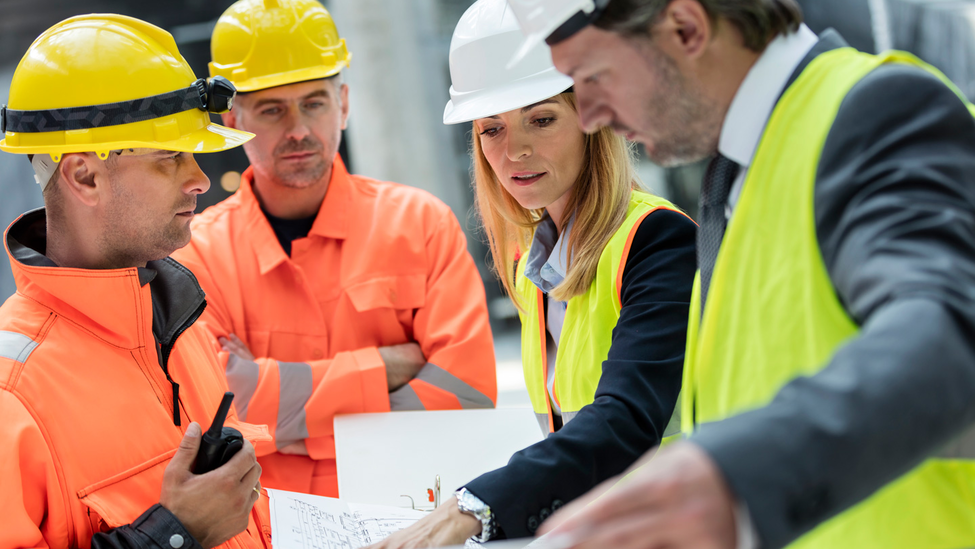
{"x": 214, "y": 506}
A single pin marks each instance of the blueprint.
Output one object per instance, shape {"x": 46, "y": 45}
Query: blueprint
{"x": 302, "y": 521}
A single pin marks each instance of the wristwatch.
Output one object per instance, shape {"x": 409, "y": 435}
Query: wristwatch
{"x": 472, "y": 505}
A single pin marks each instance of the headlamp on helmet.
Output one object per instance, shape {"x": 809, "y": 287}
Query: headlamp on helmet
{"x": 217, "y": 96}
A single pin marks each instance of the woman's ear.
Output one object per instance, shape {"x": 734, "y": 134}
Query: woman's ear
{"x": 78, "y": 177}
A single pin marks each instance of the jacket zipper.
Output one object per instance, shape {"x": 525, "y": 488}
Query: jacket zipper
{"x": 166, "y": 350}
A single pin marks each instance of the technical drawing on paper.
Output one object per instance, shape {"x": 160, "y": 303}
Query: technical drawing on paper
{"x": 374, "y": 529}
{"x": 301, "y": 521}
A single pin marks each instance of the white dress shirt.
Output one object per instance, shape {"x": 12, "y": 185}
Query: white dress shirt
{"x": 547, "y": 264}
{"x": 752, "y": 106}
{"x": 740, "y": 135}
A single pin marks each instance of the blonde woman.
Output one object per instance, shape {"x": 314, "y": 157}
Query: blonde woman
{"x": 600, "y": 271}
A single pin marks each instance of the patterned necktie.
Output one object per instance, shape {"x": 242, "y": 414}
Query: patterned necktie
{"x": 718, "y": 179}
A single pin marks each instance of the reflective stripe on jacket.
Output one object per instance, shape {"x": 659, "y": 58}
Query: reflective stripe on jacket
{"x": 87, "y": 408}
{"x": 383, "y": 264}
{"x": 772, "y": 315}
{"x": 587, "y": 332}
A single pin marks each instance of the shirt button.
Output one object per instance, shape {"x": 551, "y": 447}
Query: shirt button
{"x": 317, "y": 353}
{"x": 532, "y": 524}
{"x": 176, "y": 541}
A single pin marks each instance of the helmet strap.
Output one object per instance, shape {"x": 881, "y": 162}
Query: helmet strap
{"x": 217, "y": 97}
{"x": 44, "y": 168}
{"x": 580, "y": 20}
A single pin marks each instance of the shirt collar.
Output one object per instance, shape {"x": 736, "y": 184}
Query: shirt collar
{"x": 333, "y": 217}
{"x": 331, "y": 222}
{"x": 759, "y": 92}
{"x": 548, "y": 256}
{"x": 259, "y": 232}
{"x": 103, "y": 300}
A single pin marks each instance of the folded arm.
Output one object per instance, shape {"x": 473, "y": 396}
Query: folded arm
{"x": 298, "y": 400}
{"x": 452, "y": 329}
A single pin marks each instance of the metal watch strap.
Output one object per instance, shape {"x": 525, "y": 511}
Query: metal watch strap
{"x": 472, "y": 505}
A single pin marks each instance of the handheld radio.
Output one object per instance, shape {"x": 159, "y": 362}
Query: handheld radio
{"x": 219, "y": 443}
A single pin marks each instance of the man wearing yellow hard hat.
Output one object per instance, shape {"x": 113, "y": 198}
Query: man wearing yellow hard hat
{"x": 104, "y": 374}
{"x": 328, "y": 292}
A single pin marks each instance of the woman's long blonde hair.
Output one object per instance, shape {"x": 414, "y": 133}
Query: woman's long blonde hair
{"x": 599, "y": 201}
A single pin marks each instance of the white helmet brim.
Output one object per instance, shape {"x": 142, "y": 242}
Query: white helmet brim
{"x": 513, "y": 96}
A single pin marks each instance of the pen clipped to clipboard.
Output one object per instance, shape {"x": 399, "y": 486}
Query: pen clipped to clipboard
{"x": 433, "y": 495}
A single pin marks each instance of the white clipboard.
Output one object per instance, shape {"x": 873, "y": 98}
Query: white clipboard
{"x": 395, "y": 458}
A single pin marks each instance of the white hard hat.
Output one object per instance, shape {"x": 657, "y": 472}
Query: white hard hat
{"x": 552, "y": 21}
{"x": 486, "y": 37}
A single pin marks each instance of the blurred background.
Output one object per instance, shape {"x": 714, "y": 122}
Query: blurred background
{"x": 398, "y": 87}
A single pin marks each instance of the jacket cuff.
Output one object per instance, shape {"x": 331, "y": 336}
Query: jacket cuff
{"x": 375, "y": 388}
{"x": 752, "y": 484}
{"x": 164, "y": 529}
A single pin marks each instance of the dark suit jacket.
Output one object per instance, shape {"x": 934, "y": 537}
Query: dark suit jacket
{"x": 895, "y": 221}
{"x": 635, "y": 397}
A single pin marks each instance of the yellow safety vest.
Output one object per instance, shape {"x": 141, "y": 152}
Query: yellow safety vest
{"x": 588, "y": 327}
{"x": 772, "y": 315}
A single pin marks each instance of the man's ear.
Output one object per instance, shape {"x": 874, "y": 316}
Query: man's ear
{"x": 684, "y": 30}
{"x": 344, "y": 95}
{"x": 78, "y": 173}
{"x": 230, "y": 118}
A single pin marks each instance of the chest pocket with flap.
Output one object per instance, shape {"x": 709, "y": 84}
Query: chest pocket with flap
{"x": 389, "y": 292}
{"x": 121, "y": 499}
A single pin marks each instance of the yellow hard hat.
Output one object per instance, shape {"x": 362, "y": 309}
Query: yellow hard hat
{"x": 259, "y": 44}
{"x": 102, "y": 82}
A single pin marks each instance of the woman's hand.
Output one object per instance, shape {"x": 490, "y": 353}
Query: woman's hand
{"x": 444, "y": 526}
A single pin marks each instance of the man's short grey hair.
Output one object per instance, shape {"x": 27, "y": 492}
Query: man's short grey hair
{"x": 758, "y": 20}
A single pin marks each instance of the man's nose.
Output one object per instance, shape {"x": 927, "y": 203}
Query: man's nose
{"x": 593, "y": 114}
{"x": 197, "y": 182}
{"x": 297, "y": 128}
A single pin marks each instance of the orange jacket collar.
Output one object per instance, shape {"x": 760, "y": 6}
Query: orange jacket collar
{"x": 112, "y": 304}
{"x": 332, "y": 220}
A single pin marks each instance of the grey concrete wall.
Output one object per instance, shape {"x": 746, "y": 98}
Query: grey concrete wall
{"x": 398, "y": 88}
{"x": 18, "y": 192}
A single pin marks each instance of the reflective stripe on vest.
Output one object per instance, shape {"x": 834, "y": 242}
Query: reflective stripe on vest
{"x": 16, "y": 347}
{"x": 772, "y": 314}
{"x": 588, "y": 327}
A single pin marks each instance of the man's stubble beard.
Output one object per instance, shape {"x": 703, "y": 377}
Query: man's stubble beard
{"x": 302, "y": 179}
{"x": 126, "y": 243}
{"x": 306, "y": 177}
{"x": 688, "y": 124}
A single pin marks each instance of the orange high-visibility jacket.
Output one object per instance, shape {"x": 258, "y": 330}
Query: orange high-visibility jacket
{"x": 383, "y": 264}
{"x": 87, "y": 422}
